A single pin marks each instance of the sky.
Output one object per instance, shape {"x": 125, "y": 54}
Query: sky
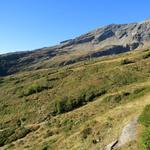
{"x": 32, "y": 24}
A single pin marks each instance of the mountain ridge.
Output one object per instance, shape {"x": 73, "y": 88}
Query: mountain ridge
{"x": 103, "y": 41}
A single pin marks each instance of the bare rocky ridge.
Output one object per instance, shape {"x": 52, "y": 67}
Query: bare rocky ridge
{"x": 108, "y": 40}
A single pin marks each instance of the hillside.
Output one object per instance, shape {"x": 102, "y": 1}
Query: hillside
{"x": 87, "y": 93}
{"x": 107, "y": 40}
{"x": 84, "y": 105}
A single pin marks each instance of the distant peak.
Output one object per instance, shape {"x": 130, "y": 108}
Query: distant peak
{"x": 145, "y": 21}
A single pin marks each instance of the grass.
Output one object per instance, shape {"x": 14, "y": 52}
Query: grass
{"x": 84, "y": 105}
{"x": 145, "y": 116}
{"x": 144, "y": 119}
{"x": 145, "y": 138}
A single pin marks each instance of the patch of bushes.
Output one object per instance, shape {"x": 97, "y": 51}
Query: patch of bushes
{"x": 5, "y": 134}
{"x": 67, "y": 104}
{"x": 117, "y": 98}
{"x": 19, "y": 133}
{"x": 126, "y": 61}
{"x": 123, "y": 77}
{"x": 44, "y": 146}
{"x": 34, "y": 88}
{"x": 91, "y": 94}
{"x": 86, "y": 132}
{"x": 113, "y": 98}
{"x": 12, "y": 134}
{"x": 1, "y": 80}
{"x": 146, "y": 55}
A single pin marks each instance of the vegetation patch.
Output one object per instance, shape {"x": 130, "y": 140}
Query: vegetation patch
{"x": 33, "y": 88}
{"x": 12, "y": 134}
{"x": 126, "y": 61}
{"x": 86, "y": 132}
{"x": 67, "y": 103}
{"x": 144, "y": 119}
{"x": 146, "y": 55}
{"x": 145, "y": 116}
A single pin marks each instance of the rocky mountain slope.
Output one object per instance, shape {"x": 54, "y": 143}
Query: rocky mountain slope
{"x": 107, "y": 40}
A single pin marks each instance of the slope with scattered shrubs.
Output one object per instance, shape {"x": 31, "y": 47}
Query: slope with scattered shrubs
{"x": 67, "y": 101}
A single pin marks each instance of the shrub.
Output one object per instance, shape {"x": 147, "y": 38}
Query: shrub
{"x": 19, "y": 133}
{"x": 18, "y": 123}
{"x": 113, "y": 98}
{"x": 5, "y": 134}
{"x": 63, "y": 105}
{"x": 67, "y": 104}
{"x": 126, "y": 61}
{"x": 12, "y": 134}
{"x": 44, "y": 146}
{"x": 146, "y": 55}
{"x": 91, "y": 94}
{"x": 123, "y": 78}
{"x": 35, "y": 88}
{"x": 117, "y": 98}
{"x": 86, "y": 132}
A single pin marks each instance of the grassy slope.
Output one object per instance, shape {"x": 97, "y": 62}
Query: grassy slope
{"x": 28, "y": 99}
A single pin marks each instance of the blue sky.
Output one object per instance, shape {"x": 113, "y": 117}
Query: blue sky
{"x": 31, "y": 24}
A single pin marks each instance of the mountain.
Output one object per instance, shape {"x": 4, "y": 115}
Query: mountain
{"x": 69, "y": 97}
{"x": 107, "y": 40}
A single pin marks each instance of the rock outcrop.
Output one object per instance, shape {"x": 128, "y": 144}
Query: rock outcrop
{"x": 128, "y": 134}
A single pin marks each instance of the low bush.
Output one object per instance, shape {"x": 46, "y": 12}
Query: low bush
{"x": 123, "y": 77}
{"x": 86, "y": 132}
{"x": 5, "y": 134}
{"x": 34, "y": 88}
{"x": 67, "y": 103}
{"x": 12, "y": 134}
{"x": 117, "y": 98}
{"x": 146, "y": 55}
{"x": 114, "y": 98}
{"x": 44, "y": 146}
{"x": 19, "y": 133}
{"x": 126, "y": 61}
